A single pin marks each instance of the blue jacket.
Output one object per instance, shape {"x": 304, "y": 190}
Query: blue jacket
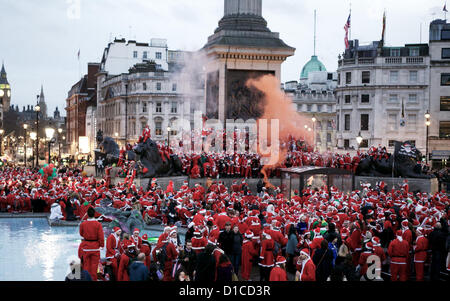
{"x": 292, "y": 244}
{"x": 138, "y": 271}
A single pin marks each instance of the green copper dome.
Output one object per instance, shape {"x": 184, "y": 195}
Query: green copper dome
{"x": 313, "y": 65}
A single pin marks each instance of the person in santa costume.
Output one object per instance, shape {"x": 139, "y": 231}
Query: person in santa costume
{"x": 171, "y": 249}
{"x": 137, "y": 240}
{"x": 93, "y": 240}
{"x": 306, "y": 270}
{"x": 420, "y": 253}
{"x": 266, "y": 256}
{"x": 248, "y": 253}
{"x": 398, "y": 250}
{"x": 126, "y": 259}
{"x": 199, "y": 242}
{"x": 278, "y": 273}
{"x": 146, "y": 248}
{"x": 112, "y": 250}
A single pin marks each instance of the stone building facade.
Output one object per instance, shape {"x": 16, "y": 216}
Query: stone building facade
{"x": 382, "y": 95}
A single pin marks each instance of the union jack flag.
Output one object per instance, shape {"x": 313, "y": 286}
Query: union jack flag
{"x": 347, "y": 27}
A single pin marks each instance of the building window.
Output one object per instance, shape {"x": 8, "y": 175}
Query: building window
{"x": 319, "y": 125}
{"x": 394, "y": 76}
{"x": 445, "y": 79}
{"x": 414, "y": 52}
{"x": 444, "y": 129}
{"x": 308, "y": 108}
{"x": 365, "y": 77}
{"x": 135, "y": 54}
{"x": 173, "y": 109}
{"x": 365, "y": 98}
{"x": 412, "y": 98}
{"x": 395, "y": 52}
{"x": 346, "y": 143}
{"x": 413, "y": 76}
{"x": 445, "y": 34}
{"x": 393, "y": 98}
{"x": 328, "y": 137}
{"x": 364, "y": 122}
{"x": 143, "y": 125}
{"x": 158, "y": 107}
{"x": 339, "y": 78}
{"x": 144, "y": 55}
{"x": 158, "y": 86}
{"x": 318, "y": 139}
{"x": 158, "y": 128}
{"x": 174, "y": 87}
{"x": 348, "y": 78}
{"x": 158, "y": 55}
{"x": 445, "y": 103}
{"x": 330, "y": 108}
{"x": 392, "y": 122}
{"x": 391, "y": 143}
{"x": 364, "y": 143}
{"x": 338, "y": 122}
{"x": 412, "y": 120}
{"x": 347, "y": 99}
{"x": 158, "y": 66}
{"x": 445, "y": 53}
{"x": 144, "y": 107}
{"x": 347, "y": 122}
{"x": 144, "y": 86}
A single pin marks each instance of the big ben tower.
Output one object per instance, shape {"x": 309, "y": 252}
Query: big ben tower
{"x": 5, "y": 94}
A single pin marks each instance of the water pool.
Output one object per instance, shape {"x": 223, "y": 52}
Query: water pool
{"x": 31, "y": 250}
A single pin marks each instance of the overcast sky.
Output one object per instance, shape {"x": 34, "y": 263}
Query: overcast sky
{"x": 39, "y": 40}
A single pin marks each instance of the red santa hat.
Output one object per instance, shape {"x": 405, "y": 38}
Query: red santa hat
{"x": 305, "y": 252}
{"x": 369, "y": 245}
{"x": 136, "y": 230}
{"x": 145, "y": 237}
{"x": 249, "y": 234}
{"x": 130, "y": 243}
{"x": 344, "y": 233}
{"x": 375, "y": 241}
{"x": 172, "y": 232}
{"x": 419, "y": 231}
{"x": 280, "y": 260}
{"x": 115, "y": 229}
{"x": 405, "y": 223}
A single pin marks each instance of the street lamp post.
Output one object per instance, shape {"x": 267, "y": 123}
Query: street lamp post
{"x": 126, "y": 114}
{"x": 25, "y": 127}
{"x": 59, "y": 144}
{"x": 37, "y": 108}
{"x": 168, "y": 136}
{"x": 33, "y": 137}
{"x": 314, "y": 131}
{"x": 427, "y": 124}
{"x": 49, "y": 133}
{"x": 2, "y": 131}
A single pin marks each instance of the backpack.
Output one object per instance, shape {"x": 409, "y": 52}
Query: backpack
{"x": 130, "y": 262}
{"x": 162, "y": 256}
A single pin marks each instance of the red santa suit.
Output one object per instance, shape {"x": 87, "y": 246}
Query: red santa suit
{"x": 307, "y": 268}
{"x": 198, "y": 242}
{"x": 146, "y": 248}
{"x": 125, "y": 262}
{"x": 248, "y": 253}
{"x": 266, "y": 254}
{"x": 112, "y": 249}
{"x": 172, "y": 254}
{"x": 93, "y": 239}
{"x": 278, "y": 273}
{"x": 398, "y": 250}
{"x": 420, "y": 254}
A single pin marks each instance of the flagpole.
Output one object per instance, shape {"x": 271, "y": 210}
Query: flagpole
{"x": 350, "y": 29}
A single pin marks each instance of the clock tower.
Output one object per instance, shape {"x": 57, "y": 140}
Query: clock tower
{"x": 5, "y": 94}
{"x": 5, "y": 90}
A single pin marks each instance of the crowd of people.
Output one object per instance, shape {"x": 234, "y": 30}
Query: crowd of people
{"x": 317, "y": 235}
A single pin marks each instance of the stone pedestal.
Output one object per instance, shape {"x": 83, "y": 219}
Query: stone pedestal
{"x": 242, "y": 47}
